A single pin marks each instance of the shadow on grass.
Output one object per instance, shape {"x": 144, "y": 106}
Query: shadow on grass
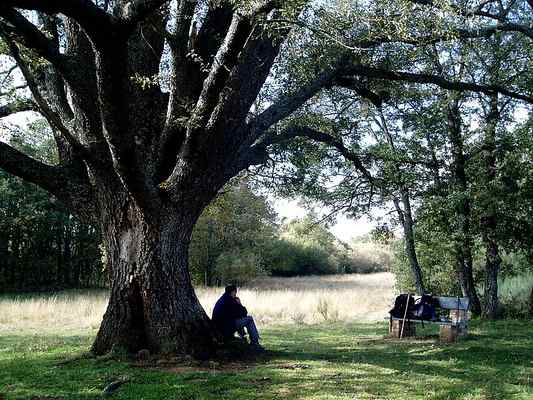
{"x": 423, "y": 367}
{"x": 314, "y": 362}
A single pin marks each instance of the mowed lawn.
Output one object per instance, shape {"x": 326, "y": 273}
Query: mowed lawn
{"x": 325, "y": 361}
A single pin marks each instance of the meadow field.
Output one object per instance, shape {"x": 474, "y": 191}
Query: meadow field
{"x": 325, "y": 336}
{"x": 272, "y": 301}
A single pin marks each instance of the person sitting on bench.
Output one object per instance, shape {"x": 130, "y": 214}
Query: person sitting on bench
{"x": 230, "y": 316}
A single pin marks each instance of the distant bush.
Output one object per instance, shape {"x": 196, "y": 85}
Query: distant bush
{"x": 238, "y": 267}
{"x": 515, "y": 296}
{"x": 238, "y": 226}
{"x": 287, "y": 258}
{"x": 367, "y": 257}
{"x": 305, "y": 247}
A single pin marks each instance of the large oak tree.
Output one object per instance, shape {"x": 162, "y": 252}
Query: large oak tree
{"x": 142, "y": 156}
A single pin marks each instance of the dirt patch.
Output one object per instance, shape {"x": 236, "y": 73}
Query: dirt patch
{"x": 216, "y": 367}
{"x": 292, "y": 366}
{"x": 234, "y": 356}
{"x": 44, "y": 398}
{"x": 191, "y": 366}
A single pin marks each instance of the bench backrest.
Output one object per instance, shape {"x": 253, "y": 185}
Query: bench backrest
{"x": 454, "y": 303}
{"x": 451, "y": 303}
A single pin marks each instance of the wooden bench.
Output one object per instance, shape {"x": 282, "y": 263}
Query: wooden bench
{"x": 453, "y": 324}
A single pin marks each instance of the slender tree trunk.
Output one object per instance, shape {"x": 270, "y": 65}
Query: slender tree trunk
{"x": 4, "y": 261}
{"x": 489, "y": 217}
{"x": 406, "y": 219}
{"x": 12, "y": 261}
{"x": 531, "y": 303}
{"x": 67, "y": 253}
{"x": 59, "y": 256}
{"x": 405, "y": 215}
{"x": 18, "y": 267}
{"x": 492, "y": 268}
{"x": 152, "y": 303}
{"x": 461, "y": 236}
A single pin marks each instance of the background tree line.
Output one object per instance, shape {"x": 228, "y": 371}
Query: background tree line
{"x": 42, "y": 245}
{"x": 238, "y": 238}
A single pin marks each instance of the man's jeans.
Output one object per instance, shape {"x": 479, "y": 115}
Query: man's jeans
{"x": 248, "y": 323}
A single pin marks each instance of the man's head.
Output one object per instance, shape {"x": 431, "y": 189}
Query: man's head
{"x": 231, "y": 290}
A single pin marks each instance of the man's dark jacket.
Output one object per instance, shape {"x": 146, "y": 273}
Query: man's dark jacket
{"x": 225, "y": 312}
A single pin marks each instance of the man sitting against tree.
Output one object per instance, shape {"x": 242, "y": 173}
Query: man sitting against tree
{"x": 230, "y": 316}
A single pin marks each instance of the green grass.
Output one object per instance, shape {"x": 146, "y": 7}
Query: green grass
{"x": 350, "y": 361}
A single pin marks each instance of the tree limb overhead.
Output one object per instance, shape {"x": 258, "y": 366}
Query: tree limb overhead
{"x": 33, "y": 38}
{"x": 16, "y": 107}
{"x": 318, "y": 136}
{"x": 380, "y": 73}
{"x": 95, "y": 21}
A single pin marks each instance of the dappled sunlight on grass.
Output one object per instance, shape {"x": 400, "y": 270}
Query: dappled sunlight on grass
{"x": 43, "y": 340}
{"x": 334, "y": 361}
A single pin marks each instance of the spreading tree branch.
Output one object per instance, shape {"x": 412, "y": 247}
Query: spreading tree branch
{"x": 289, "y": 103}
{"x": 51, "y": 78}
{"x": 503, "y": 25}
{"x": 27, "y": 168}
{"x": 318, "y": 136}
{"x": 16, "y": 107}
{"x": 181, "y": 88}
{"x": 29, "y": 35}
{"x": 385, "y": 74}
{"x": 476, "y": 12}
{"x": 223, "y": 63}
{"x": 64, "y": 182}
{"x": 244, "y": 83}
{"x": 51, "y": 116}
{"x": 214, "y": 29}
{"x": 96, "y": 22}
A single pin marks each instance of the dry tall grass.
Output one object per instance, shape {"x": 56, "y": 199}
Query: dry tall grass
{"x": 272, "y": 301}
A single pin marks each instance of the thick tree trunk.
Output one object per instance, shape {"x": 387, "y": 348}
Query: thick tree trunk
{"x": 461, "y": 235}
{"x": 464, "y": 271}
{"x": 489, "y": 217}
{"x": 152, "y": 303}
{"x": 492, "y": 268}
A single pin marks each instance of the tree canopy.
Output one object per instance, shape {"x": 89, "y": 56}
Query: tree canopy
{"x": 155, "y": 105}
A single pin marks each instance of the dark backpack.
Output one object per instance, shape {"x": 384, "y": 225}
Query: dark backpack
{"x": 425, "y": 308}
{"x": 399, "y": 306}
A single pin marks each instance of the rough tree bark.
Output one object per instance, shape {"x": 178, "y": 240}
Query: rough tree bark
{"x": 461, "y": 235}
{"x": 152, "y": 302}
{"x": 489, "y": 219}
